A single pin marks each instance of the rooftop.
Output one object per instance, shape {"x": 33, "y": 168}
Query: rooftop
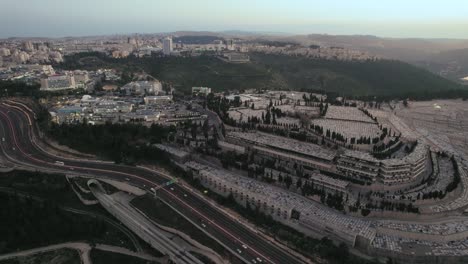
{"x": 285, "y": 144}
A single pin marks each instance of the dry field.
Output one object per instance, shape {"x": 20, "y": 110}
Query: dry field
{"x": 444, "y": 123}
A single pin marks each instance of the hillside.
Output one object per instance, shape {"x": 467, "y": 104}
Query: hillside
{"x": 350, "y": 78}
{"x": 359, "y": 78}
{"x": 452, "y": 64}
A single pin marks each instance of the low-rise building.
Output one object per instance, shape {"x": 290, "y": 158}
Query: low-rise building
{"x": 158, "y": 100}
{"x": 143, "y": 88}
{"x": 364, "y": 167}
{"x": 201, "y": 90}
{"x": 237, "y": 57}
{"x": 58, "y": 82}
{"x": 289, "y": 208}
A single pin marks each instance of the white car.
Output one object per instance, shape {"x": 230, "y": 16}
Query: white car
{"x": 239, "y": 251}
{"x": 244, "y": 246}
{"x": 204, "y": 226}
{"x": 259, "y": 259}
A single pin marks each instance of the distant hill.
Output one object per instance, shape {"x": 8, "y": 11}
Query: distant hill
{"x": 446, "y": 57}
{"x": 452, "y": 64}
{"x": 385, "y": 78}
{"x": 190, "y": 39}
{"x": 406, "y": 49}
{"x": 355, "y": 78}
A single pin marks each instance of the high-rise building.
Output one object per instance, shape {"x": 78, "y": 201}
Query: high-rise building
{"x": 131, "y": 41}
{"x": 167, "y": 46}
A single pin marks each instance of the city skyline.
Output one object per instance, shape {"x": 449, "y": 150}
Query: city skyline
{"x": 399, "y": 19}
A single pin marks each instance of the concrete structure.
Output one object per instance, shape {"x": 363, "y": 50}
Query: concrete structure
{"x": 201, "y": 90}
{"x": 4, "y": 52}
{"x": 167, "y": 46}
{"x": 364, "y": 167}
{"x": 237, "y": 57}
{"x": 141, "y": 226}
{"x": 289, "y": 208}
{"x": 158, "y": 100}
{"x": 81, "y": 77}
{"x": 285, "y": 152}
{"x": 58, "y": 82}
{"x": 143, "y": 88}
{"x": 28, "y": 46}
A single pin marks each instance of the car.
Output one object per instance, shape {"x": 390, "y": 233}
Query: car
{"x": 172, "y": 189}
{"x": 244, "y": 246}
{"x": 127, "y": 179}
{"x": 60, "y": 163}
{"x": 185, "y": 195}
{"x": 3, "y": 139}
{"x": 259, "y": 259}
{"x": 239, "y": 251}
{"x": 253, "y": 261}
{"x": 204, "y": 226}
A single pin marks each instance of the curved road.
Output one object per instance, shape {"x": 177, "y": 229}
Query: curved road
{"x": 19, "y": 134}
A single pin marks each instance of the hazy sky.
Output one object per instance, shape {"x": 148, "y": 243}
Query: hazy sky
{"x": 392, "y": 18}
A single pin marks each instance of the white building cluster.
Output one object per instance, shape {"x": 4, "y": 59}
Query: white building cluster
{"x": 143, "y": 88}
{"x": 394, "y": 171}
{"x": 58, "y": 82}
{"x": 330, "y": 53}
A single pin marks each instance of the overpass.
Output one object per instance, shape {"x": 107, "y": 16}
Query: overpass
{"x": 17, "y": 126}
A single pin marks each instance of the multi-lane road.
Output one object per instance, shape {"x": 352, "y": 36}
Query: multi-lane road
{"x": 19, "y": 145}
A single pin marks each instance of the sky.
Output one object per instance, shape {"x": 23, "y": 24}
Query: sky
{"x": 385, "y": 18}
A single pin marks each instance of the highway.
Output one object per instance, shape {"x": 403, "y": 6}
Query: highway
{"x": 19, "y": 145}
{"x": 142, "y": 226}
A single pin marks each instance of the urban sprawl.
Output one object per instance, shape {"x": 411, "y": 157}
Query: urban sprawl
{"x": 344, "y": 169}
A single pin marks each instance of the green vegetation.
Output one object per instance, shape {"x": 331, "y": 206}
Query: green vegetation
{"x": 443, "y": 62}
{"x": 456, "y": 177}
{"x": 383, "y": 78}
{"x": 105, "y": 257}
{"x": 18, "y": 88}
{"x": 356, "y": 78}
{"x": 29, "y": 223}
{"x": 46, "y": 186}
{"x": 60, "y": 256}
{"x": 33, "y": 214}
{"x": 278, "y": 43}
{"x": 123, "y": 143}
{"x": 14, "y": 88}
